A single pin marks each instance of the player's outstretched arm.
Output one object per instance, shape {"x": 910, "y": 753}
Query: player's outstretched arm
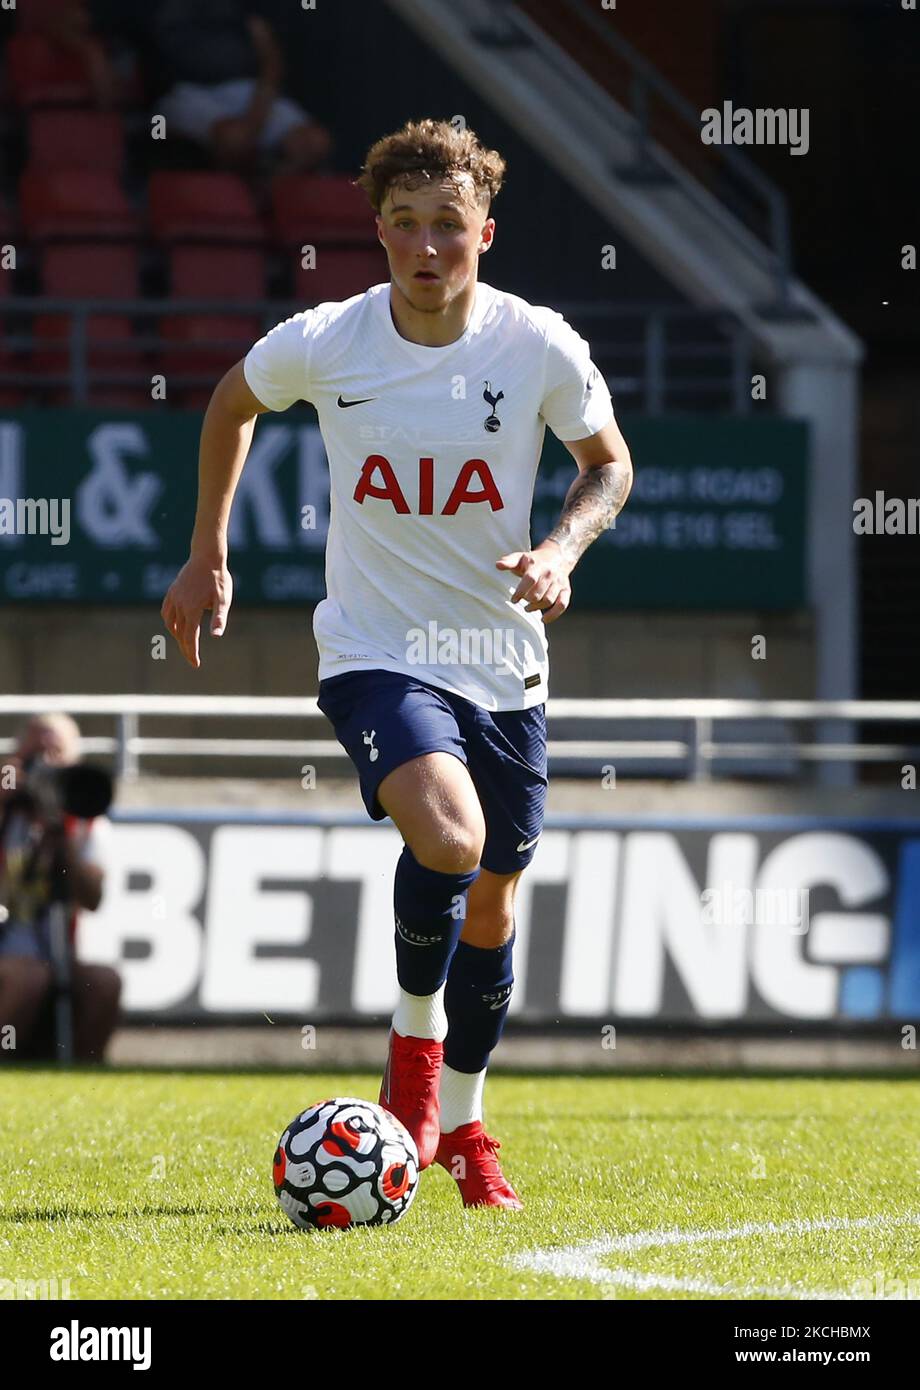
{"x": 597, "y": 495}
{"x": 204, "y": 581}
{"x": 591, "y": 505}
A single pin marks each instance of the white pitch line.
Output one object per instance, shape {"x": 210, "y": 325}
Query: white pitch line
{"x": 582, "y": 1261}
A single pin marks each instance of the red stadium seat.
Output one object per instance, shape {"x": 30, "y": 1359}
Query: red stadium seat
{"x": 74, "y": 203}
{"x": 321, "y": 209}
{"x": 112, "y": 346}
{"x": 195, "y": 398}
{"x": 340, "y": 274}
{"x": 217, "y": 272}
{"x": 38, "y": 73}
{"x": 107, "y": 332}
{"x": 199, "y": 348}
{"x": 76, "y": 140}
{"x": 105, "y": 398}
{"x": 9, "y": 395}
{"x": 187, "y": 206}
{"x": 90, "y": 272}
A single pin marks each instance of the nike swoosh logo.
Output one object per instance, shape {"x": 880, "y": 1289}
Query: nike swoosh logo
{"x": 345, "y": 404}
{"x": 529, "y": 845}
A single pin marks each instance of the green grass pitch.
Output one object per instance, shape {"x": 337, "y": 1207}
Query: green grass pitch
{"x": 158, "y": 1185}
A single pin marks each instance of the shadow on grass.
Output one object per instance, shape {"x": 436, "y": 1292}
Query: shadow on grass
{"x": 66, "y": 1212}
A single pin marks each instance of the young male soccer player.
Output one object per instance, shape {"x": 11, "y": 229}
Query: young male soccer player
{"x": 433, "y": 393}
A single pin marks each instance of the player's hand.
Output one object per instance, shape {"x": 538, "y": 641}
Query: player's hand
{"x": 200, "y": 585}
{"x": 544, "y": 582}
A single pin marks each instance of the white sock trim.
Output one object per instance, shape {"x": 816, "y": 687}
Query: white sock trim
{"x": 421, "y": 1015}
{"x": 460, "y": 1098}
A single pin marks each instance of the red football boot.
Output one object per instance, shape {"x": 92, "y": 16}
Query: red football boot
{"x": 483, "y": 1184}
{"x": 410, "y": 1089}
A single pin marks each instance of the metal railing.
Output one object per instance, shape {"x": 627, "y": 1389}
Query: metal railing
{"x": 655, "y": 357}
{"x": 693, "y": 755}
{"x": 774, "y": 244}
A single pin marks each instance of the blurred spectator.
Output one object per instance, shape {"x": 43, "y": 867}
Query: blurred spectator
{"x": 74, "y": 27}
{"x": 219, "y": 68}
{"x": 33, "y": 844}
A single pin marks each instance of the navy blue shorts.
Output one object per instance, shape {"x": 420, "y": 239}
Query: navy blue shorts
{"x": 384, "y": 718}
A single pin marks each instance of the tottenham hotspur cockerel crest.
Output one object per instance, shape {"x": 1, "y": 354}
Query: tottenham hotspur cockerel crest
{"x": 492, "y": 422}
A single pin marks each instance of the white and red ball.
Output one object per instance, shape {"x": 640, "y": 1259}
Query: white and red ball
{"x": 345, "y": 1162}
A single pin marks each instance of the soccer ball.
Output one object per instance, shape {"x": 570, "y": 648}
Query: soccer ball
{"x": 345, "y": 1162}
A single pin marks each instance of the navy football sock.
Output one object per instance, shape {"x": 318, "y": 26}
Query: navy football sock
{"x": 430, "y": 908}
{"x": 476, "y": 1000}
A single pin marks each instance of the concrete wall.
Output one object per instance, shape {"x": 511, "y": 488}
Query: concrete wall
{"x": 270, "y": 651}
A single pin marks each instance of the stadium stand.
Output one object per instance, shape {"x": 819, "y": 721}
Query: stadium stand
{"x": 76, "y": 140}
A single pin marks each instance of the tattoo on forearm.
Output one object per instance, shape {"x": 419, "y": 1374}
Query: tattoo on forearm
{"x": 591, "y": 506}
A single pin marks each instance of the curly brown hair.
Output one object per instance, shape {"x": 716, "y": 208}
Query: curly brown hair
{"x": 425, "y": 150}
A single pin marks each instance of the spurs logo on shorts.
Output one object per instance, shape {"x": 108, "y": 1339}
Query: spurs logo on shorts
{"x": 374, "y": 754}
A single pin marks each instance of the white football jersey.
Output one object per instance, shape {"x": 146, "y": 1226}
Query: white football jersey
{"x": 433, "y": 453}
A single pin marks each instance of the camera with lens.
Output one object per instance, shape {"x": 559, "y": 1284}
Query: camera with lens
{"x": 47, "y": 793}
{"x": 32, "y": 817}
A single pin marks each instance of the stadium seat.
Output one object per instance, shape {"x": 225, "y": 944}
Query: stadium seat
{"x": 76, "y": 140}
{"x": 198, "y": 349}
{"x": 340, "y": 274}
{"x": 111, "y": 348}
{"x": 321, "y": 210}
{"x": 74, "y": 203}
{"x": 10, "y": 395}
{"x": 90, "y": 271}
{"x": 216, "y": 272}
{"x": 195, "y": 398}
{"x": 112, "y": 345}
{"x": 211, "y": 207}
{"x": 38, "y": 73}
{"x": 104, "y": 397}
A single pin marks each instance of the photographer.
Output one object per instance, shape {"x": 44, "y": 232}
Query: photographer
{"x": 49, "y": 856}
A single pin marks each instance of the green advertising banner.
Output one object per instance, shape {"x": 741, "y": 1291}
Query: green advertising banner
{"x": 97, "y": 507}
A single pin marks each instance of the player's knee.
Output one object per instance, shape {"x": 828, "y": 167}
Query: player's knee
{"x": 495, "y": 906}
{"x": 453, "y": 847}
